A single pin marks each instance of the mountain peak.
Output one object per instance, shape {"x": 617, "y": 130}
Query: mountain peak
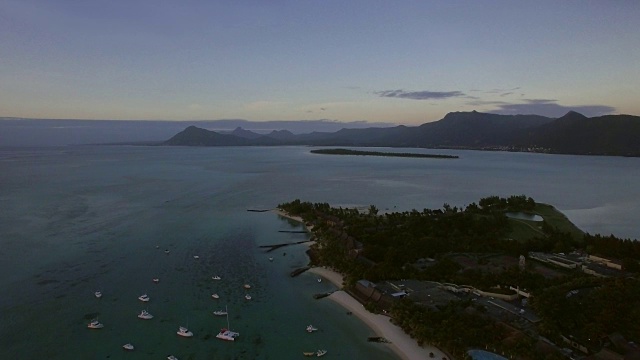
{"x": 573, "y": 115}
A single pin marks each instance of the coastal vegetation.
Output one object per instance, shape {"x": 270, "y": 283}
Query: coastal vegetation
{"x": 479, "y": 246}
{"x": 379, "y": 153}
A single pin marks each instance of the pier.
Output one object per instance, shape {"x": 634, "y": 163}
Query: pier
{"x": 277, "y": 246}
{"x": 299, "y": 271}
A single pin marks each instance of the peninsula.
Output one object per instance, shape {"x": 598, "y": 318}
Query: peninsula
{"x": 507, "y": 275}
{"x": 379, "y": 153}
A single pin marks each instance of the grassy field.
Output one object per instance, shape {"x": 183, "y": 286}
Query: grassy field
{"x": 523, "y": 230}
{"x": 557, "y": 219}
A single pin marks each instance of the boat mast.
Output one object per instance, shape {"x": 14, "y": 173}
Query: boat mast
{"x": 226, "y": 309}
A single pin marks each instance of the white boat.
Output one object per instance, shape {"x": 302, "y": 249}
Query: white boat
{"x": 156, "y": 280}
{"x": 144, "y": 298}
{"x": 216, "y": 277}
{"x": 247, "y": 296}
{"x": 220, "y": 313}
{"x": 311, "y": 329}
{"x": 95, "y": 324}
{"x": 270, "y": 259}
{"x": 166, "y": 251}
{"x": 98, "y": 294}
{"x": 196, "y": 257}
{"x": 183, "y": 331}
{"x": 127, "y": 347}
{"x": 215, "y": 296}
{"x": 247, "y": 286}
{"x": 144, "y": 315}
{"x": 321, "y": 353}
{"x": 225, "y": 333}
{"x": 319, "y": 279}
{"x": 171, "y": 357}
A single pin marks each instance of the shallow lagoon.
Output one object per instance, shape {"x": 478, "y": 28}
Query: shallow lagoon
{"x": 78, "y": 219}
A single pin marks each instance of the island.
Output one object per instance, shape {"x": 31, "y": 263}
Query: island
{"x": 379, "y": 153}
{"x": 508, "y": 276}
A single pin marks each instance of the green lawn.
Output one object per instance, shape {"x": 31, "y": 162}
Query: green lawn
{"x": 523, "y": 230}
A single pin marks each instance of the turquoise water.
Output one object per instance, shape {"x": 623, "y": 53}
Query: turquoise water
{"x": 485, "y": 355}
{"x": 77, "y": 219}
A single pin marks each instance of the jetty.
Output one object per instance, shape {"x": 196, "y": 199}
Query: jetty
{"x": 258, "y": 210}
{"x": 322, "y": 295}
{"x": 299, "y": 271}
{"x": 277, "y": 246}
{"x": 379, "y": 339}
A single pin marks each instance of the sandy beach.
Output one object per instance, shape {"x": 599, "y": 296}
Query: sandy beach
{"x": 401, "y": 343}
{"x": 293, "y": 217}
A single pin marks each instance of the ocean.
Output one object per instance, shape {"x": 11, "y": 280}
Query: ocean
{"x": 74, "y": 220}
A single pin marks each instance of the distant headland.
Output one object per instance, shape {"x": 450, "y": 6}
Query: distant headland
{"x": 573, "y": 133}
{"x": 379, "y": 153}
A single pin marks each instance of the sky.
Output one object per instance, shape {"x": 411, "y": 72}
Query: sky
{"x": 402, "y": 62}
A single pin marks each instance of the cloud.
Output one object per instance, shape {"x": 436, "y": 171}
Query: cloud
{"x": 419, "y": 95}
{"x": 549, "y": 107}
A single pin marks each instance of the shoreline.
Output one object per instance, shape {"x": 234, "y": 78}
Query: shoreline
{"x": 400, "y": 342}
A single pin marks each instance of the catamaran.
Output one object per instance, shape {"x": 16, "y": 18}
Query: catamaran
{"x": 225, "y": 333}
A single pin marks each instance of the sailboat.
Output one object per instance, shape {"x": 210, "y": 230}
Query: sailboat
{"x": 225, "y": 333}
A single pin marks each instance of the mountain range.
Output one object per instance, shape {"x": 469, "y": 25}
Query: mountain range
{"x": 573, "y": 133}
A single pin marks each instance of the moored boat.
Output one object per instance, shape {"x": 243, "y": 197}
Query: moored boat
{"x": 156, "y": 280}
{"x": 219, "y": 313}
{"x": 321, "y": 353}
{"x": 145, "y": 315}
{"x": 183, "y": 331}
{"x": 98, "y": 294}
{"x": 95, "y": 324}
{"x": 312, "y": 353}
{"x": 215, "y": 296}
{"x": 311, "y": 329}
{"x": 144, "y": 298}
{"x": 216, "y": 277}
{"x": 247, "y": 296}
{"x": 171, "y": 357}
{"x": 225, "y": 333}
{"x": 128, "y": 347}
